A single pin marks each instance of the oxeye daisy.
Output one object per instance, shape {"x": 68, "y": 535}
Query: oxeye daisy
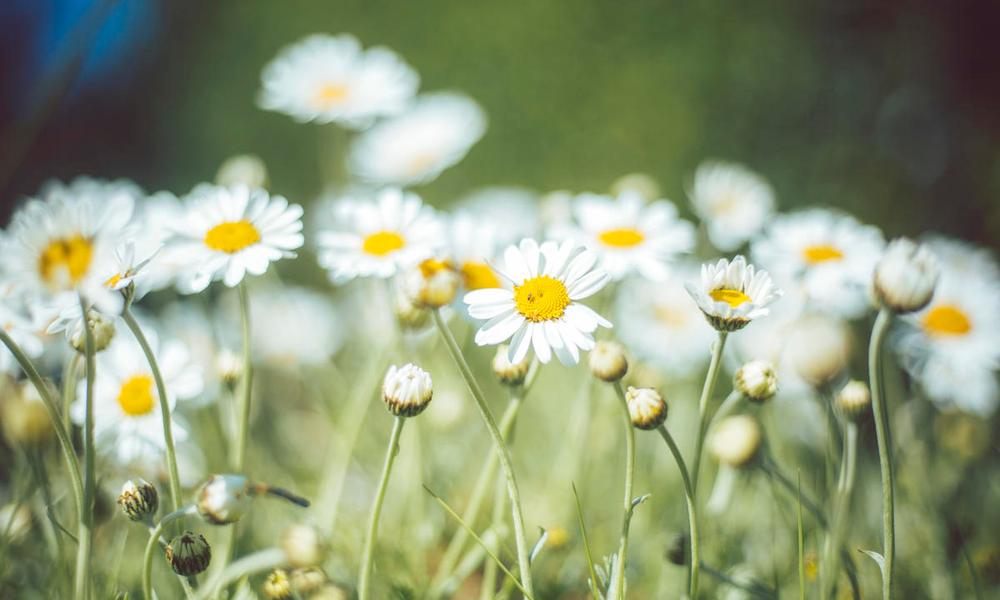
{"x": 732, "y": 201}
{"x": 63, "y": 245}
{"x": 731, "y": 294}
{"x": 541, "y": 308}
{"x": 380, "y": 238}
{"x": 629, "y": 235}
{"x": 127, "y": 422}
{"x": 414, "y": 147}
{"x": 829, "y": 255}
{"x": 21, "y": 324}
{"x": 227, "y": 232}
{"x": 326, "y": 78}
{"x": 951, "y": 345}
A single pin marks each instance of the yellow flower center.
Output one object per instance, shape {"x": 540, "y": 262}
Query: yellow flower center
{"x": 66, "y": 260}
{"x": 381, "y": 243}
{"x": 232, "y": 236}
{"x": 113, "y": 280}
{"x": 432, "y": 266}
{"x": 623, "y": 237}
{"x": 541, "y": 298}
{"x": 478, "y": 276}
{"x": 731, "y": 297}
{"x": 331, "y": 94}
{"x": 136, "y": 395}
{"x": 821, "y": 253}
{"x": 946, "y": 320}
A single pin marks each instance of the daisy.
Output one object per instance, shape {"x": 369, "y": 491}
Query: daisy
{"x": 731, "y": 294}
{"x": 228, "y": 232}
{"x": 22, "y": 325}
{"x": 628, "y": 234}
{"x": 660, "y": 324}
{"x": 380, "y": 238}
{"x": 416, "y": 146}
{"x": 541, "y": 308}
{"x": 63, "y": 245}
{"x": 951, "y": 346}
{"x": 159, "y": 216}
{"x": 127, "y": 421}
{"x": 732, "y": 201}
{"x": 829, "y": 255}
{"x": 330, "y": 79}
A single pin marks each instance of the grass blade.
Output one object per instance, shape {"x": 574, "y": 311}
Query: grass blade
{"x": 586, "y": 546}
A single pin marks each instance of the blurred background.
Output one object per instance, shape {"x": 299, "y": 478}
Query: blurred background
{"x": 885, "y": 109}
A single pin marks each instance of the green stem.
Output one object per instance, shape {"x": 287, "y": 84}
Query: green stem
{"x": 706, "y": 393}
{"x": 801, "y": 541}
{"x": 488, "y": 587}
{"x": 364, "y": 577}
{"x": 694, "y": 562}
{"x": 845, "y": 487}
{"x": 154, "y": 539}
{"x": 501, "y": 450}
{"x": 81, "y": 587}
{"x": 161, "y": 392}
{"x": 884, "y": 439}
{"x": 51, "y": 407}
{"x": 618, "y": 577}
{"x": 246, "y": 385}
{"x": 69, "y": 388}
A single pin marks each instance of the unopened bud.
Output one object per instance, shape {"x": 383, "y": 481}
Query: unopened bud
{"x": 225, "y": 499}
{"x": 509, "y": 373}
{"x": 307, "y": 580}
{"x": 408, "y": 313}
{"x": 756, "y": 380}
{"x": 229, "y": 366}
{"x": 905, "y": 276}
{"x": 243, "y": 169}
{"x": 677, "y": 549}
{"x": 646, "y": 407}
{"x": 407, "y": 390}
{"x": 189, "y": 554}
{"x": 607, "y": 361}
{"x": 735, "y": 440}
{"x": 101, "y": 327}
{"x": 23, "y": 416}
{"x": 302, "y": 545}
{"x": 432, "y": 284}
{"x": 138, "y": 500}
{"x": 853, "y": 399}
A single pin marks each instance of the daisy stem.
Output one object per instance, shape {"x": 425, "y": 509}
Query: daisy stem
{"x": 51, "y": 407}
{"x": 81, "y": 588}
{"x": 694, "y": 563}
{"x": 618, "y": 577}
{"x": 154, "y": 539}
{"x": 706, "y": 393}
{"x": 501, "y": 449}
{"x": 69, "y": 388}
{"x": 364, "y": 577}
{"x": 161, "y": 392}
{"x": 882, "y": 435}
{"x": 246, "y": 385}
{"x": 845, "y": 486}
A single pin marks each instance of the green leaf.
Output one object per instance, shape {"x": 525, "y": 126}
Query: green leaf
{"x": 586, "y": 547}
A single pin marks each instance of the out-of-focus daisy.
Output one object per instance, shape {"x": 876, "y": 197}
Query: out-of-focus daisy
{"x": 159, "y": 216}
{"x": 829, "y": 255}
{"x": 628, "y": 234}
{"x": 513, "y": 212}
{"x": 541, "y": 308}
{"x": 21, "y": 325}
{"x": 953, "y": 345}
{"x": 228, "y": 232}
{"x": 63, "y": 244}
{"x": 731, "y": 294}
{"x": 416, "y": 146}
{"x": 732, "y": 201}
{"x": 127, "y": 420}
{"x": 381, "y": 238}
{"x": 326, "y": 78}
{"x": 472, "y": 246}
{"x": 660, "y": 324}
{"x": 294, "y": 326}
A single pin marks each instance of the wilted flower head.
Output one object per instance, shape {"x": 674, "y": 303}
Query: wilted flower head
{"x": 731, "y": 294}
{"x": 189, "y": 554}
{"x": 905, "y": 276}
{"x": 407, "y": 390}
{"x": 646, "y": 407}
{"x": 735, "y": 440}
{"x": 756, "y": 380}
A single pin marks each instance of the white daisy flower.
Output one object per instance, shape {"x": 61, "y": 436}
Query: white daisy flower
{"x": 731, "y": 294}
{"x": 435, "y": 133}
{"x": 951, "y": 347}
{"x": 629, "y": 235}
{"x": 380, "y": 238}
{"x": 660, "y": 324}
{"x": 327, "y": 79}
{"x": 159, "y": 215}
{"x": 127, "y": 422}
{"x": 541, "y": 308}
{"x": 21, "y": 324}
{"x": 732, "y": 201}
{"x": 829, "y": 255}
{"x": 228, "y": 232}
{"x": 294, "y": 326}
{"x": 64, "y": 244}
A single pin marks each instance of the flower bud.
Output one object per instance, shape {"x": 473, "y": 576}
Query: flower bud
{"x": 229, "y": 366}
{"x": 23, "y": 416}
{"x": 225, "y": 499}
{"x": 330, "y": 592}
{"x": 735, "y": 440}
{"x": 853, "y": 399}
{"x": 302, "y": 545}
{"x": 407, "y": 390}
{"x": 307, "y": 580}
{"x": 507, "y": 372}
{"x": 432, "y": 284}
{"x": 138, "y": 500}
{"x": 607, "y": 361}
{"x": 189, "y": 554}
{"x": 245, "y": 169}
{"x": 101, "y": 327}
{"x": 637, "y": 183}
{"x": 15, "y": 522}
{"x": 905, "y": 276}
{"x": 646, "y": 408}
{"x": 408, "y": 313}
{"x": 819, "y": 348}
{"x": 277, "y": 585}
{"x": 756, "y": 380}
{"x": 677, "y": 549}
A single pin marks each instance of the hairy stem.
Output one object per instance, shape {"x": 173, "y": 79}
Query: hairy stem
{"x": 694, "y": 562}
{"x": 884, "y": 439}
{"x": 364, "y": 576}
{"x": 618, "y": 577}
{"x": 706, "y": 394}
{"x": 81, "y": 587}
